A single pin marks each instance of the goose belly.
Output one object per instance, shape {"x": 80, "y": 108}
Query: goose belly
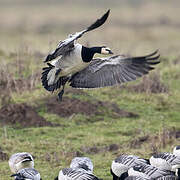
{"x": 71, "y": 65}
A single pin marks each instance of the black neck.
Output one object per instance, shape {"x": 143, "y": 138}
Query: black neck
{"x": 114, "y": 176}
{"x": 88, "y": 53}
{"x": 56, "y": 178}
{"x": 178, "y": 173}
{"x": 122, "y": 177}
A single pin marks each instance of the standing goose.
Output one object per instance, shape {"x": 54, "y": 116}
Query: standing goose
{"x": 121, "y": 165}
{"x": 21, "y": 160}
{"x": 166, "y": 161}
{"x": 74, "y": 63}
{"x": 27, "y": 174}
{"x": 149, "y": 172}
{"x": 82, "y": 163}
{"x": 176, "y": 150}
{"x": 75, "y": 174}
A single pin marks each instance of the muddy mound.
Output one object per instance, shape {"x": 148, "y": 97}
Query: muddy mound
{"x": 21, "y": 115}
{"x": 167, "y": 136}
{"x": 70, "y": 106}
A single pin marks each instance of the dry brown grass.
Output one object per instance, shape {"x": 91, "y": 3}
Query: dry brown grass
{"x": 149, "y": 84}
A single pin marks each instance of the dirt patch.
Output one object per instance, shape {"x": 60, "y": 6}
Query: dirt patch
{"x": 70, "y": 106}
{"x": 96, "y": 149}
{"x": 149, "y": 84}
{"x": 156, "y": 142}
{"x": 3, "y": 156}
{"x": 21, "y": 115}
{"x": 136, "y": 143}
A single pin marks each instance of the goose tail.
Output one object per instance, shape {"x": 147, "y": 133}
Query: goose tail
{"x": 50, "y": 78}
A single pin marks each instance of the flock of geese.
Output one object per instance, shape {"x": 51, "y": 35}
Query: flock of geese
{"x": 73, "y": 63}
{"x": 163, "y": 166}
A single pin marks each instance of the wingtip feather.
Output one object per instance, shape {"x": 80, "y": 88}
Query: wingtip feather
{"x": 99, "y": 22}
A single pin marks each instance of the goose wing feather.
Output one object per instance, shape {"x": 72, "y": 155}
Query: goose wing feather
{"x": 149, "y": 171}
{"x": 70, "y": 173}
{"x": 68, "y": 44}
{"x": 114, "y": 70}
{"x": 170, "y": 158}
{"x": 28, "y": 173}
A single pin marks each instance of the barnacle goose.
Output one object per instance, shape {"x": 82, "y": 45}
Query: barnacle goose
{"x": 74, "y": 63}
{"x": 149, "y": 172}
{"x": 83, "y": 163}
{"x": 27, "y": 174}
{"x": 176, "y": 150}
{"x": 166, "y": 161}
{"x": 21, "y": 160}
{"x": 75, "y": 174}
{"x": 121, "y": 165}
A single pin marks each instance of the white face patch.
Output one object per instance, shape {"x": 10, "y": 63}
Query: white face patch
{"x": 106, "y": 50}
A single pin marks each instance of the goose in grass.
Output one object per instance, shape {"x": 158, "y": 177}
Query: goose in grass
{"x": 21, "y": 160}
{"x": 82, "y": 163}
{"x": 75, "y": 174}
{"x": 121, "y": 165}
{"x": 166, "y": 161}
{"x": 176, "y": 150}
{"x": 73, "y": 63}
{"x": 27, "y": 174}
{"x": 150, "y": 172}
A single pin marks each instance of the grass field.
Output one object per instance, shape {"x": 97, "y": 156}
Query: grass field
{"x": 139, "y": 117}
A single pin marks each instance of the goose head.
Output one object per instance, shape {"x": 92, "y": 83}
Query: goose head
{"x": 106, "y": 50}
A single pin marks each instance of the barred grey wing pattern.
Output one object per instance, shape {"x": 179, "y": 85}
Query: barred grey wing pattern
{"x": 114, "y": 70}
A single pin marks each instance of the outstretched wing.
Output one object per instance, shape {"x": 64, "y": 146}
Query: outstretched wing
{"x": 114, "y": 70}
{"x": 68, "y": 44}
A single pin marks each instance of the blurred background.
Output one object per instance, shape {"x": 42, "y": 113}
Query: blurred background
{"x": 139, "y": 117}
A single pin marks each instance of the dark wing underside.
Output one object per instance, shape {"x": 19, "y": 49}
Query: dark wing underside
{"x": 114, "y": 70}
{"x": 68, "y": 44}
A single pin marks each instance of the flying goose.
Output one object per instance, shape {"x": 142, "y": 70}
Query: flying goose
{"x": 121, "y": 165}
{"x": 72, "y": 62}
{"x": 27, "y": 174}
{"x": 176, "y": 150}
{"x": 83, "y": 163}
{"x": 75, "y": 174}
{"x": 21, "y": 160}
{"x": 149, "y": 172}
